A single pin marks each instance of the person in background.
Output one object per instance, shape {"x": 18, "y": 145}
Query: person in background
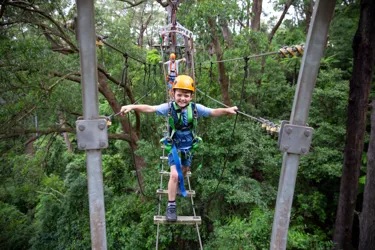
{"x": 172, "y": 70}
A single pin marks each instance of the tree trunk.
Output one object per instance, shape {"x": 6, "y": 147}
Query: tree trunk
{"x": 226, "y": 32}
{"x": 308, "y": 10}
{"x": 276, "y": 27}
{"x": 272, "y": 34}
{"x": 65, "y": 135}
{"x": 223, "y": 79}
{"x": 367, "y": 218}
{"x": 106, "y": 91}
{"x": 256, "y": 11}
{"x": 142, "y": 30}
{"x": 188, "y": 55}
{"x": 173, "y": 15}
{"x": 29, "y": 150}
{"x": 360, "y": 83}
{"x": 248, "y": 14}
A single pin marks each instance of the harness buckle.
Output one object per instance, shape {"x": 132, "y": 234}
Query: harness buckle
{"x": 196, "y": 142}
{"x": 168, "y": 143}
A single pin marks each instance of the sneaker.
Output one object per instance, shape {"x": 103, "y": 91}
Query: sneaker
{"x": 171, "y": 213}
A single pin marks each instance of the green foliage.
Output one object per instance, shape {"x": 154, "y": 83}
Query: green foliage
{"x": 344, "y": 23}
{"x": 15, "y": 228}
{"x": 43, "y": 194}
{"x": 250, "y": 233}
{"x": 153, "y": 56}
{"x": 298, "y": 239}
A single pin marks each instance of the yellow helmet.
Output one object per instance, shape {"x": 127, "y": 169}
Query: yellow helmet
{"x": 184, "y": 82}
{"x": 172, "y": 56}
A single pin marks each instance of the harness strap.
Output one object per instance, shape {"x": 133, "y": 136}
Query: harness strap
{"x": 192, "y": 115}
{"x": 170, "y": 67}
{"x": 179, "y": 171}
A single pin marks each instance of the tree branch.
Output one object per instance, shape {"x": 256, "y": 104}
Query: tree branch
{"x": 20, "y": 132}
{"x": 2, "y": 9}
{"x": 165, "y": 4}
{"x": 276, "y": 27}
{"x": 31, "y": 8}
{"x": 132, "y": 4}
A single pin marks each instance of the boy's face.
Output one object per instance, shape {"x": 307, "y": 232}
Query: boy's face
{"x": 182, "y": 97}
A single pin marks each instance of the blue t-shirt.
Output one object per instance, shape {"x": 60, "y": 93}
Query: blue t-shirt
{"x": 163, "y": 109}
{"x": 183, "y": 139}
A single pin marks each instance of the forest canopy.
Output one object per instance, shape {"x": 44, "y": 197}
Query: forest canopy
{"x": 235, "y": 173}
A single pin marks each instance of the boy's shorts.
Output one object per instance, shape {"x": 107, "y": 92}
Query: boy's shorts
{"x": 170, "y": 79}
{"x": 185, "y": 155}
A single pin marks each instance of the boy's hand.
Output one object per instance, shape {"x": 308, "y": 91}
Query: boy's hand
{"x": 126, "y": 109}
{"x": 233, "y": 110}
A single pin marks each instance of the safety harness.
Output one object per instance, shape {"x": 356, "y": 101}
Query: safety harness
{"x": 172, "y": 74}
{"x": 175, "y": 123}
{"x": 174, "y": 68}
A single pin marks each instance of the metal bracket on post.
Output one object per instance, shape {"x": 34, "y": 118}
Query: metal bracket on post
{"x": 92, "y": 134}
{"x": 295, "y": 139}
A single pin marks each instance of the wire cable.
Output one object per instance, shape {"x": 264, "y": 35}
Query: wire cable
{"x": 249, "y": 57}
{"x": 118, "y": 50}
{"x": 260, "y": 119}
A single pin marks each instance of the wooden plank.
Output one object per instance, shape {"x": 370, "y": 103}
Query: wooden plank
{"x": 185, "y": 220}
{"x": 166, "y": 173}
{"x": 190, "y": 193}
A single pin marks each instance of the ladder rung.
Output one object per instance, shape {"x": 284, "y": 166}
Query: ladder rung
{"x": 163, "y": 157}
{"x": 186, "y": 220}
{"x": 190, "y": 193}
{"x": 167, "y": 173}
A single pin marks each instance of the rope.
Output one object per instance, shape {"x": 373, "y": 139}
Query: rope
{"x": 211, "y": 77}
{"x": 195, "y": 97}
{"x": 124, "y": 76}
{"x": 145, "y": 74}
{"x": 165, "y": 132}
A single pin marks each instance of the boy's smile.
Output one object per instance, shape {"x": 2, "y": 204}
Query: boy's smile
{"x": 182, "y": 97}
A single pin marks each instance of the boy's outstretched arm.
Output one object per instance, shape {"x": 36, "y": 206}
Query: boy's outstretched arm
{"x": 224, "y": 111}
{"x": 138, "y": 107}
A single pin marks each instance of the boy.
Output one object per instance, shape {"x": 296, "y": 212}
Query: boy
{"x": 182, "y": 132}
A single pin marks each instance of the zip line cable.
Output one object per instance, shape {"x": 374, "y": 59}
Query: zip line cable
{"x": 260, "y": 119}
{"x": 249, "y": 57}
{"x": 124, "y": 53}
